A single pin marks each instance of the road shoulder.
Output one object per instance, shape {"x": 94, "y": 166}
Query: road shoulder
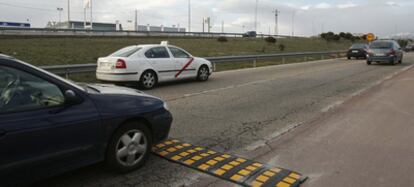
{"x": 365, "y": 142}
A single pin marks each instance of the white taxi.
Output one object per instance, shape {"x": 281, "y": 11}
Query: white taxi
{"x": 151, "y": 64}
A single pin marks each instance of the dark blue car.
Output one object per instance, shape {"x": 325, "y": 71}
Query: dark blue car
{"x": 49, "y": 125}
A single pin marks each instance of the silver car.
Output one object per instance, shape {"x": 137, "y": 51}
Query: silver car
{"x": 385, "y": 51}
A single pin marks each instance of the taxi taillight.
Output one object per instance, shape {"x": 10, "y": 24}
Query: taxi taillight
{"x": 120, "y": 64}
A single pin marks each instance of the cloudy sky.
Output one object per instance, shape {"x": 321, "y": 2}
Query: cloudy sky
{"x": 383, "y": 17}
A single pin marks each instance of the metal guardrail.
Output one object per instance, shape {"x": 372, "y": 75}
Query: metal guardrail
{"x": 89, "y": 68}
{"x": 102, "y": 33}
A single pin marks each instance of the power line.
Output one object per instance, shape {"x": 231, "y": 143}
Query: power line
{"x": 53, "y": 10}
{"x": 26, "y": 7}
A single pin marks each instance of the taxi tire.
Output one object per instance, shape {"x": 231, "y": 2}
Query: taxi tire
{"x": 201, "y": 79}
{"x": 110, "y": 157}
{"x": 141, "y": 80}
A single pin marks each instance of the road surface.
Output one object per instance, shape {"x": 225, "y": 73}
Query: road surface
{"x": 238, "y": 112}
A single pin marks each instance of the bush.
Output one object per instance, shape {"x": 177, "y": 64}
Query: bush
{"x": 331, "y": 36}
{"x": 403, "y": 43}
{"x": 282, "y": 47}
{"x": 270, "y": 40}
{"x": 222, "y": 39}
{"x": 336, "y": 37}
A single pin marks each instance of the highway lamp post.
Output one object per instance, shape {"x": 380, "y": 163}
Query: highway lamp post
{"x": 60, "y": 14}
{"x": 276, "y": 21}
{"x": 189, "y": 15}
{"x": 136, "y": 20}
{"x": 69, "y": 11}
{"x": 204, "y": 25}
{"x": 255, "y": 15}
{"x": 293, "y": 22}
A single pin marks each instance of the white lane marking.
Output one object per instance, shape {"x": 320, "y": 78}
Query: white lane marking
{"x": 279, "y": 66}
{"x": 332, "y": 106}
{"x": 228, "y": 87}
{"x": 261, "y": 143}
{"x": 250, "y": 83}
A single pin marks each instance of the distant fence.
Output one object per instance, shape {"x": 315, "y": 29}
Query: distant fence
{"x": 66, "y": 70}
{"x": 100, "y": 33}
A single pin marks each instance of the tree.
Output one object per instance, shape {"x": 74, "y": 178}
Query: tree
{"x": 403, "y": 43}
{"x": 336, "y": 37}
{"x": 364, "y": 37}
{"x": 324, "y": 36}
{"x": 349, "y": 36}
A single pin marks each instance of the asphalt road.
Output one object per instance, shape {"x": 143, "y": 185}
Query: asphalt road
{"x": 239, "y": 111}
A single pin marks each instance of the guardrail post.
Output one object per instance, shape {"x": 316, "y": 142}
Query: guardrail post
{"x": 214, "y": 67}
{"x": 283, "y": 60}
{"x": 322, "y": 57}
{"x": 305, "y": 58}
{"x": 67, "y": 73}
{"x": 254, "y": 63}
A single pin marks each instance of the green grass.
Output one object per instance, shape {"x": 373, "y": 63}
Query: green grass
{"x": 82, "y": 50}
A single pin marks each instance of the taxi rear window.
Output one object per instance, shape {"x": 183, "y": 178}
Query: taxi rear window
{"x": 126, "y": 52}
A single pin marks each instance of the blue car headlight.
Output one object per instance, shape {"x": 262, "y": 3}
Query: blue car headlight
{"x": 166, "y": 106}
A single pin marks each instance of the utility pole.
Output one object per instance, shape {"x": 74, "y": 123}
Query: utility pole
{"x": 209, "y": 24}
{"x": 91, "y": 15}
{"x": 276, "y": 21}
{"x": 293, "y": 23}
{"x": 255, "y": 15}
{"x": 60, "y": 14}
{"x": 68, "y": 11}
{"x": 204, "y": 25}
{"x": 189, "y": 15}
{"x": 136, "y": 20}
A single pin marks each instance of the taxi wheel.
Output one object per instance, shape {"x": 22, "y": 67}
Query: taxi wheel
{"x": 148, "y": 80}
{"x": 203, "y": 73}
{"x": 129, "y": 148}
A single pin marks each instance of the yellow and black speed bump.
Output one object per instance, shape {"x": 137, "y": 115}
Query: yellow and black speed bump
{"x": 231, "y": 168}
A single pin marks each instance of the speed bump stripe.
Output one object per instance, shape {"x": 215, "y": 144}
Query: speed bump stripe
{"x": 295, "y": 176}
{"x": 181, "y": 149}
{"x": 282, "y": 184}
{"x": 279, "y": 179}
{"x": 166, "y": 145}
{"x": 240, "y": 170}
{"x": 225, "y": 166}
{"x": 289, "y": 180}
{"x": 208, "y": 159}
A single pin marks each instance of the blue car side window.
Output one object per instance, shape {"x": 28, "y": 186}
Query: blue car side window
{"x": 21, "y": 91}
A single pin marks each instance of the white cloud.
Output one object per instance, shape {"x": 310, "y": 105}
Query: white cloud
{"x": 306, "y": 7}
{"x": 347, "y": 5}
{"x": 392, "y": 3}
{"x": 323, "y": 6}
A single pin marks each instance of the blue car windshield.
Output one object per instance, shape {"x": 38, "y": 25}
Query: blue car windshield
{"x": 358, "y": 46}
